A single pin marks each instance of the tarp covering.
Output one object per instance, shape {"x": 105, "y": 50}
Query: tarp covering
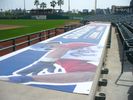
{"x": 67, "y": 62}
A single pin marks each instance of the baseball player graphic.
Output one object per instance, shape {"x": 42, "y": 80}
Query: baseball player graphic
{"x": 57, "y": 61}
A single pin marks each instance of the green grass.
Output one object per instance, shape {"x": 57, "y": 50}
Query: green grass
{"x": 30, "y": 26}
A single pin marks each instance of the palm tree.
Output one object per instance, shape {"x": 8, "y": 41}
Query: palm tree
{"x": 1, "y": 10}
{"x": 36, "y": 3}
{"x": 43, "y": 5}
{"x": 60, "y": 3}
{"x": 53, "y": 4}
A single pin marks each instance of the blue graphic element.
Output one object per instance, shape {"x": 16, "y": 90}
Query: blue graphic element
{"x": 64, "y": 88}
{"x": 25, "y": 79}
{"x": 38, "y": 67}
{"x": 20, "y": 79}
{"x": 8, "y": 66}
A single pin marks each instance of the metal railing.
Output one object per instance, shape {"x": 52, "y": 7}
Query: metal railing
{"x": 126, "y": 37}
{"x": 10, "y": 45}
{"x": 13, "y": 44}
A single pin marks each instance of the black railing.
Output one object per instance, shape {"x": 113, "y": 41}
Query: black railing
{"x": 126, "y": 37}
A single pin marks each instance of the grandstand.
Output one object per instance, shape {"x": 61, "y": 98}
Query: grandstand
{"x": 114, "y": 18}
{"x": 115, "y": 15}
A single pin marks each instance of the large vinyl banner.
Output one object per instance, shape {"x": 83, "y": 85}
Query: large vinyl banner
{"x": 67, "y": 62}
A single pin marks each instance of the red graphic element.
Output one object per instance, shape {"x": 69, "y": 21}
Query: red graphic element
{"x": 73, "y": 65}
{"x": 75, "y": 45}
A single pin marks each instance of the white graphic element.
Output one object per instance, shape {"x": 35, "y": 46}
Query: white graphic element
{"x": 94, "y": 35}
{"x": 91, "y": 53}
{"x": 80, "y": 88}
{"x": 79, "y": 33}
{"x": 57, "y": 68}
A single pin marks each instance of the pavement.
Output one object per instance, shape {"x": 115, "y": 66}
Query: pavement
{"x": 123, "y": 90}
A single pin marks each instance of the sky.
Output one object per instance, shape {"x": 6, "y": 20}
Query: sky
{"x": 74, "y": 4}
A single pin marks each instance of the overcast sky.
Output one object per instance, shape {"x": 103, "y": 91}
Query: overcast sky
{"x": 75, "y": 4}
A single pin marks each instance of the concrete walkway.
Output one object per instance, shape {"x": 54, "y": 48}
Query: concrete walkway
{"x": 122, "y": 91}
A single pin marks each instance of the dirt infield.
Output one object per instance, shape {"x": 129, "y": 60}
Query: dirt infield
{"x": 5, "y": 27}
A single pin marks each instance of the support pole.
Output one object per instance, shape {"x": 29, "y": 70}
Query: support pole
{"x": 95, "y": 6}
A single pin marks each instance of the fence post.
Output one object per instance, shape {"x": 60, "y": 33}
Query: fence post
{"x": 28, "y": 39}
{"x": 55, "y": 31}
{"x": 66, "y": 29}
{"x": 40, "y": 36}
{"x": 48, "y": 34}
{"x": 14, "y": 45}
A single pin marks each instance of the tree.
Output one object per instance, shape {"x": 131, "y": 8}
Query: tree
{"x": 43, "y": 5}
{"x": 53, "y": 4}
{"x": 1, "y": 10}
{"x": 60, "y": 3}
{"x": 36, "y": 3}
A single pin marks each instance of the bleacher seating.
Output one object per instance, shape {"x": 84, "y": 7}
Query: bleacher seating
{"x": 126, "y": 37}
{"x": 127, "y": 40}
{"x": 114, "y": 18}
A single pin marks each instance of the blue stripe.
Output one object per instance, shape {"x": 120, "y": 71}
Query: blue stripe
{"x": 24, "y": 79}
{"x": 20, "y": 79}
{"x": 8, "y": 66}
{"x": 64, "y": 88}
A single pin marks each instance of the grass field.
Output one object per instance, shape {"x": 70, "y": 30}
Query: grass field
{"x": 29, "y": 26}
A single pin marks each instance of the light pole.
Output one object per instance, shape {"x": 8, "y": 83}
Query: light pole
{"x": 24, "y": 5}
{"x": 68, "y": 5}
{"x": 95, "y": 6}
{"x": 24, "y": 8}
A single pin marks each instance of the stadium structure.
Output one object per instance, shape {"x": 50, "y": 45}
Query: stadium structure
{"x": 92, "y": 61}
